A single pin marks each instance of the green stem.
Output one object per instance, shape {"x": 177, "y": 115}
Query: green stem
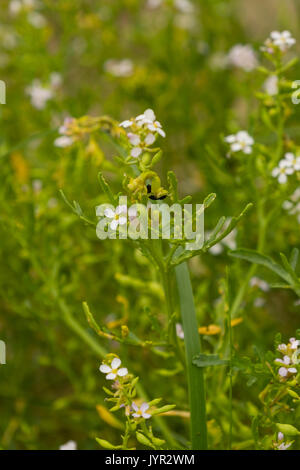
{"x": 192, "y": 347}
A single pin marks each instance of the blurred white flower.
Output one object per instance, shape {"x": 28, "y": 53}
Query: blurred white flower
{"x": 113, "y": 370}
{"x": 148, "y": 119}
{"x": 154, "y": 3}
{"x": 241, "y": 141}
{"x": 229, "y": 242}
{"x": 39, "y": 95}
{"x": 185, "y": 6}
{"x": 63, "y": 141}
{"x": 292, "y": 161}
{"x": 119, "y": 217}
{"x": 282, "y": 171}
{"x": 280, "y": 445}
{"x": 140, "y": 412}
{"x": 270, "y": 85}
{"x": 242, "y": 56}
{"x": 179, "y": 331}
{"x": 70, "y": 445}
{"x": 293, "y": 205}
{"x": 257, "y": 282}
{"x": 37, "y": 20}
{"x": 119, "y": 68}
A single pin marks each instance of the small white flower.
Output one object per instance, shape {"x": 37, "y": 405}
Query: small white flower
{"x": 148, "y": 119}
{"x": 63, "y": 141}
{"x": 270, "y": 85}
{"x": 150, "y": 139}
{"x": 126, "y": 123}
{"x": 282, "y": 171}
{"x": 292, "y": 161}
{"x": 185, "y": 6}
{"x": 256, "y": 281}
{"x": 286, "y": 360}
{"x": 36, "y": 20}
{"x": 294, "y": 343}
{"x": 242, "y": 56}
{"x": 136, "y": 152}
{"x": 241, "y": 141}
{"x": 119, "y": 216}
{"x": 283, "y": 40}
{"x": 140, "y": 412}
{"x": 280, "y": 436}
{"x": 70, "y": 445}
{"x": 282, "y": 348}
{"x": 285, "y": 371}
{"x": 179, "y": 331}
{"x": 39, "y": 94}
{"x": 284, "y": 446}
{"x": 113, "y": 370}
{"x": 119, "y": 68}
{"x": 134, "y": 138}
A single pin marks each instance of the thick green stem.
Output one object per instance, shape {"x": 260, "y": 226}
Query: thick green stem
{"x": 192, "y": 347}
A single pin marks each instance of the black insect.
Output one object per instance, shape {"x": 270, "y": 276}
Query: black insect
{"x": 152, "y": 196}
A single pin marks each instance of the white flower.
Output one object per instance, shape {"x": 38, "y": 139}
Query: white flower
{"x": 148, "y": 119}
{"x": 113, "y": 370}
{"x": 36, "y": 20}
{"x": 294, "y": 343}
{"x": 154, "y": 3}
{"x": 286, "y": 360}
{"x": 284, "y": 446}
{"x": 70, "y": 445}
{"x": 179, "y": 331}
{"x": 283, "y": 40}
{"x": 271, "y": 85}
{"x": 242, "y": 56}
{"x": 282, "y": 347}
{"x": 282, "y": 171}
{"x": 39, "y": 94}
{"x": 241, "y": 141}
{"x": 119, "y": 68}
{"x": 140, "y": 412}
{"x": 285, "y": 371}
{"x": 126, "y": 123}
{"x": 185, "y": 6}
{"x": 292, "y": 161}
{"x": 255, "y": 281}
{"x": 63, "y": 141}
{"x": 119, "y": 216}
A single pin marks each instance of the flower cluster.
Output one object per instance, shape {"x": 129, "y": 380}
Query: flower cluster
{"x": 240, "y": 142}
{"x": 293, "y": 204}
{"x": 290, "y": 359}
{"x": 113, "y": 372}
{"x": 287, "y": 166}
{"x": 143, "y": 132}
{"x": 280, "y": 444}
{"x": 278, "y": 41}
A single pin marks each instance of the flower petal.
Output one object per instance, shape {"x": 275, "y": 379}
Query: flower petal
{"x": 104, "y": 368}
{"x": 122, "y": 372}
{"x": 115, "y": 363}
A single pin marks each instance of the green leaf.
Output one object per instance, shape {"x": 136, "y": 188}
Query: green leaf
{"x": 294, "y": 258}
{"x": 106, "y": 445}
{"x": 196, "y": 384}
{"x": 288, "y": 429}
{"x": 257, "y": 258}
{"x": 208, "y": 360}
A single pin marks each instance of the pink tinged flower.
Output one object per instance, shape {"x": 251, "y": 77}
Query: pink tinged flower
{"x": 119, "y": 216}
{"x": 140, "y": 412}
{"x": 136, "y": 152}
{"x": 284, "y": 446}
{"x": 280, "y": 436}
{"x": 292, "y": 161}
{"x": 286, "y": 360}
{"x": 134, "y": 139}
{"x": 113, "y": 370}
{"x": 283, "y": 372}
{"x": 282, "y": 347}
{"x": 294, "y": 343}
